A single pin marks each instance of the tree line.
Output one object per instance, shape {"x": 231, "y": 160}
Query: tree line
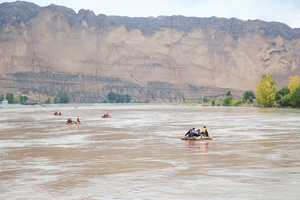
{"x": 266, "y": 94}
{"x": 114, "y": 97}
{"x": 61, "y": 97}
{"x": 64, "y": 97}
{"x": 289, "y": 95}
{"x": 14, "y": 99}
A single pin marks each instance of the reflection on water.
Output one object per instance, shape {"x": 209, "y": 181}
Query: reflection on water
{"x": 198, "y": 146}
{"x": 137, "y": 154}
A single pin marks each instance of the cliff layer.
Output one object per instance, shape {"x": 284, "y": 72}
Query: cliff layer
{"x": 45, "y": 50}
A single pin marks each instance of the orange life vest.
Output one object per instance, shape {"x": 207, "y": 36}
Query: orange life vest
{"x": 203, "y": 130}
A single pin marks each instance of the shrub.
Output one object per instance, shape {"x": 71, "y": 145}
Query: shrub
{"x": 285, "y": 101}
{"x": 64, "y": 97}
{"x": 248, "y": 94}
{"x": 213, "y": 102}
{"x": 49, "y": 100}
{"x": 228, "y": 101}
{"x": 56, "y": 99}
{"x": 295, "y": 97}
{"x": 281, "y": 93}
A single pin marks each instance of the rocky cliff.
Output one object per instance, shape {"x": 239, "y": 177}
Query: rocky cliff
{"x": 45, "y": 50}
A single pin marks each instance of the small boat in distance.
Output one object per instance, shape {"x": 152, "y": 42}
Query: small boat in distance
{"x": 106, "y": 116}
{"x": 57, "y": 114}
{"x": 73, "y": 122}
{"x": 70, "y": 121}
{"x": 197, "y": 138}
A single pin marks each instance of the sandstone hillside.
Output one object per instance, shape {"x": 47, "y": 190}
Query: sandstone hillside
{"x": 45, "y": 50}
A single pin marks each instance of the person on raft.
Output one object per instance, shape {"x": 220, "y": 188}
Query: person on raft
{"x": 204, "y": 132}
{"x": 189, "y": 133}
{"x": 69, "y": 120}
{"x": 192, "y": 132}
{"x": 78, "y": 120}
{"x": 196, "y": 133}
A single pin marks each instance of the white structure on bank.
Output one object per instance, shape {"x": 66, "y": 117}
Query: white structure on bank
{"x": 5, "y": 101}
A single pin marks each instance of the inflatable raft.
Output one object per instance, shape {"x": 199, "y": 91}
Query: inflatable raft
{"x": 197, "y": 138}
{"x": 73, "y": 123}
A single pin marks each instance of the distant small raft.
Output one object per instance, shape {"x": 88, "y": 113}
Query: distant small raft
{"x": 106, "y": 117}
{"x": 197, "y": 138}
{"x": 73, "y": 123}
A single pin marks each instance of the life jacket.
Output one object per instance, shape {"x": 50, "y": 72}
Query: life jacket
{"x": 203, "y": 130}
{"x": 191, "y": 134}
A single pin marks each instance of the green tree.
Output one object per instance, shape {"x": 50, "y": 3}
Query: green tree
{"x": 25, "y": 98}
{"x": 213, "y": 102}
{"x": 22, "y": 101}
{"x": 281, "y": 93}
{"x": 10, "y": 97}
{"x": 105, "y": 101}
{"x": 147, "y": 101}
{"x": 127, "y": 98}
{"x": 49, "y": 100}
{"x": 295, "y": 97}
{"x": 2, "y": 97}
{"x": 56, "y": 99}
{"x": 64, "y": 97}
{"x": 120, "y": 98}
{"x": 248, "y": 94}
{"x": 205, "y": 99}
{"x": 16, "y": 100}
{"x": 238, "y": 102}
{"x": 250, "y": 100}
{"x": 228, "y": 93}
{"x": 243, "y": 99}
{"x": 228, "y": 100}
{"x": 266, "y": 90}
{"x": 112, "y": 97}
{"x": 285, "y": 101}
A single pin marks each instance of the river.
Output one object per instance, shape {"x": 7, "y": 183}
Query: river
{"x": 138, "y": 153}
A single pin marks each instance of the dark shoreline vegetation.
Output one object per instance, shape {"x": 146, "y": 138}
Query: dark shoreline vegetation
{"x": 266, "y": 96}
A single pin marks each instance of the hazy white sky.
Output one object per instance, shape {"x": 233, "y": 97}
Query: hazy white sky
{"x": 285, "y": 11}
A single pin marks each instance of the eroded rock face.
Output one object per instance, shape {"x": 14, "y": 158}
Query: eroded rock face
{"x": 51, "y": 49}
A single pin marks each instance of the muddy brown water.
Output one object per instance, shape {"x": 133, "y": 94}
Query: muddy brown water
{"x": 137, "y": 154}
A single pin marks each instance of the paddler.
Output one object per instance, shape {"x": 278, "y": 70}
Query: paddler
{"x": 204, "y": 131}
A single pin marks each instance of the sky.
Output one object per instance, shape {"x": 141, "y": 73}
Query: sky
{"x": 284, "y": 11}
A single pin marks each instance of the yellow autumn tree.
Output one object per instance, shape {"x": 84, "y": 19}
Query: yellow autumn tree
{"x": 294, "y": 81}
{"x": 266, "y": 90}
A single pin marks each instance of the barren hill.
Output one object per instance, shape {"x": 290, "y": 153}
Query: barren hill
{"x": 45, "y": 50}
